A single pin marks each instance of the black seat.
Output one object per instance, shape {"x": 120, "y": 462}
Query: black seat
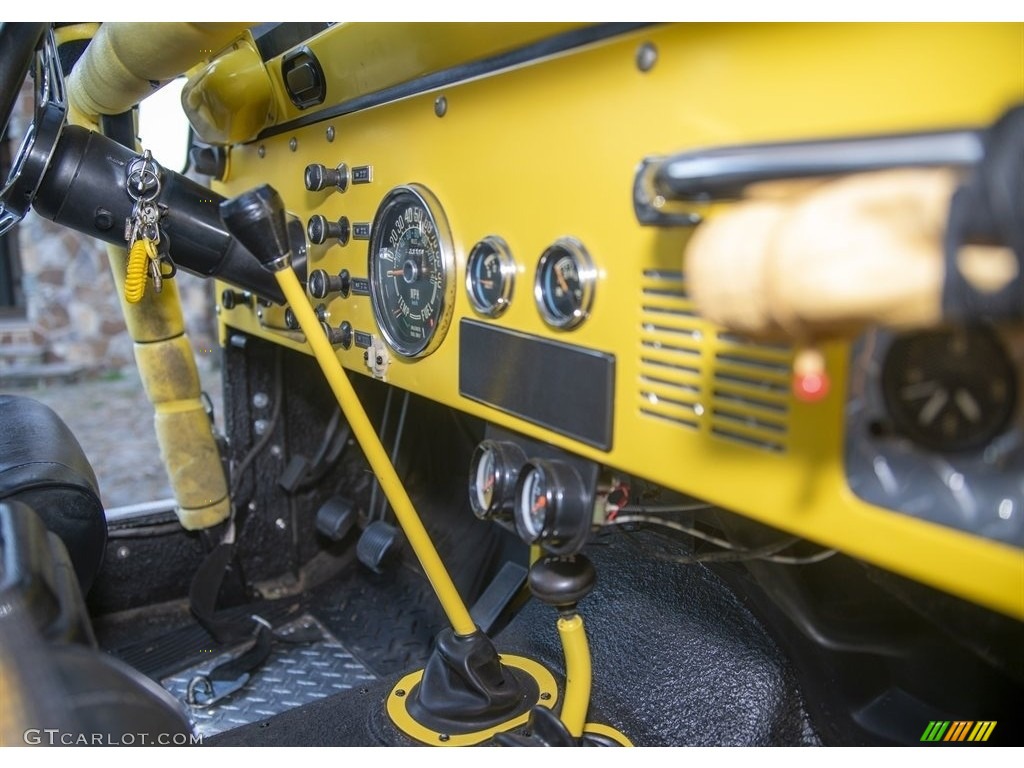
{"x": 42, "y": 465}
{"x": 58, "y": 688}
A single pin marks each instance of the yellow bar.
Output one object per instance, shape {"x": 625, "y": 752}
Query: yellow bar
{"x": 577, "y": 673}
{"x": 390, "y": 483}
{"x": 125, "y": 59}
{"x": 167, "y": 367}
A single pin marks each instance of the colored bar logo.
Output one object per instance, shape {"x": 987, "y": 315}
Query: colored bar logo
{"x": 958, "y": 730}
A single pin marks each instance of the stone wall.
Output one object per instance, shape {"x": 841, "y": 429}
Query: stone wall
{"x": 71, "y": 302}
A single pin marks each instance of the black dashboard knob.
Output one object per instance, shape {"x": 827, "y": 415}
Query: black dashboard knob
{"x": 319, "y": 177}
{"x": 322, "y": 283}
{"x": 320, "y": 229}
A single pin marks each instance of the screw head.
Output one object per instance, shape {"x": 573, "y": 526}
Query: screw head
{"x": 399, "y": 693}
{"x": 440, "y": 106}
{"x": 646, "y": 57}
{"x": 293, "y": 144}
{"x": 545, "y": 696}
{"x": 330, "y": 133}
{"x": 261, "y": 151}
{"x": 443, "y": 736}
{"x": 123, "y": 552}
{"x": 280, "y": 523}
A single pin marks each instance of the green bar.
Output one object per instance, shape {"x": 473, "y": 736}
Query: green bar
{"x": 935, "y": 730}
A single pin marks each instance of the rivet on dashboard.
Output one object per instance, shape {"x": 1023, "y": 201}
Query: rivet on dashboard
{"x": 330, "y": 133}
{"x": 261, "y": 151}
{"x": 646, "y": 57}
{"x": 440, "y": 106}
{"x": 293, "y": 144}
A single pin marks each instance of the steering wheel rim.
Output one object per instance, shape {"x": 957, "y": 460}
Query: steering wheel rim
{"x": 50, "y": 115}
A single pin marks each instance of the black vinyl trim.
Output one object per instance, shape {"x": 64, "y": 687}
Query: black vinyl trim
{"x": 274, "y": 39}
{"x": 553, "y": 45}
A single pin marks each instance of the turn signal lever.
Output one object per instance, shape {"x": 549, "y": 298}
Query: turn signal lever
{"x": 84, "y": 189}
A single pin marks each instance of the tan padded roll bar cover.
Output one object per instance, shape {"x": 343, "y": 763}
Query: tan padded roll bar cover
{"x": 128, "y": 61}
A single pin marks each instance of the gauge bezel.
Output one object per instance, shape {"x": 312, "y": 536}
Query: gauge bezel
{"x": 508, "y": 459}
{"x": 587, "y": 273}
{"x": 426, "y": 199}
{"x": 568, "y": 508}
{"x": 507, "y": 269}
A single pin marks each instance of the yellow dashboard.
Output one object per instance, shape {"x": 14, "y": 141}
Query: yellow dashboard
{"x": 541, "y": 150}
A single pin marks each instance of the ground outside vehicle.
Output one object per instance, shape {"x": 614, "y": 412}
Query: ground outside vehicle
{"x": 585, "y": 385}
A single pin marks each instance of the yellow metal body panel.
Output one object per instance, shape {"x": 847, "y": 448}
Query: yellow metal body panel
{"x": 549, "y": 149}
{"x": 360, "y": 58}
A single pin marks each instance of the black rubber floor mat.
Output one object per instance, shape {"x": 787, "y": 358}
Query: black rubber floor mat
{"x": 171, "y": 651}
{"x": 388, "y": 621}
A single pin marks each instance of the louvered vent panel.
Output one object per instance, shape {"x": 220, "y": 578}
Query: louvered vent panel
{"x": 670, "y": 351}
{"x": 750, "y": 397}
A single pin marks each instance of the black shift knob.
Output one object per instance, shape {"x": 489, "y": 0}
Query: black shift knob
{"x": 562, "y": 581}
{"x": 257, "y": 220}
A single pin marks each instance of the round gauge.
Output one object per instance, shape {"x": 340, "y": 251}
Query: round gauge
{"x": 533, "y": 504}
{"x": 492, "y": 478}
{"x": 411, "y": 267}
{"x": 490, "y": 274}
{"x": 565, "y": 284}
{"x": 949, "y": 390}
{"x": 553, "y": 506}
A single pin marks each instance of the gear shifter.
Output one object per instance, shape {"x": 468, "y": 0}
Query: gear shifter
{"x": 466, "y": 693}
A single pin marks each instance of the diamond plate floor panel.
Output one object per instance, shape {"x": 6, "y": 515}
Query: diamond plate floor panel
{"x": 293, "y": 675}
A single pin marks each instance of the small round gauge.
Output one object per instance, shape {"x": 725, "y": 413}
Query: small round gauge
{"x": 553, "y": 507}
{"x": 533, "y": 504}
{"x": 490, "y": 274}
{"x": 564, "y": 289}
{"x": 492, "y": 478}
{"x": 949, "y": 390}
{"x": 411, "y": 267}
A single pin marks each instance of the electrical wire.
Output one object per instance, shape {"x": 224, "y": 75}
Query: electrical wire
{"x": 375, "y": 488}
{"x": 394, "y": 448}
{"x": 731, "y": 552}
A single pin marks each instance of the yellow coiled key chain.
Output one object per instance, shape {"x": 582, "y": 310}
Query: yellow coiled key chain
{"x": 142, "y": 251}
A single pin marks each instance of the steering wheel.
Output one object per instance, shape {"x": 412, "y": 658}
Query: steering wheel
{"x": 21, "y": 44}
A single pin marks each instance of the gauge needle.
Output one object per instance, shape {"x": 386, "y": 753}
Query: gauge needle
{"x": 561, "y": 281}
{"x": 918, "y": 390}
{"x": 931, "y": 409}
{"x": 539, "y": 504}
{"x": 968, "y": 405}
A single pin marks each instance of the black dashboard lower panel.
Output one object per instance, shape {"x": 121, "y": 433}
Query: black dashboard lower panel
{"x": 538, "y": 380}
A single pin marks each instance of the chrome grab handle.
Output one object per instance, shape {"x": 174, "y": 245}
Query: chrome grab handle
{"x": 667, "y": 191}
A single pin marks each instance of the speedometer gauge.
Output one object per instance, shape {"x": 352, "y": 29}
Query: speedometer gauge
{"x": 411, "y": 265}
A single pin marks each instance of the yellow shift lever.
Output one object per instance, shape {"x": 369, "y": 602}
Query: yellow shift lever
{"x": 257, "y": 220}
